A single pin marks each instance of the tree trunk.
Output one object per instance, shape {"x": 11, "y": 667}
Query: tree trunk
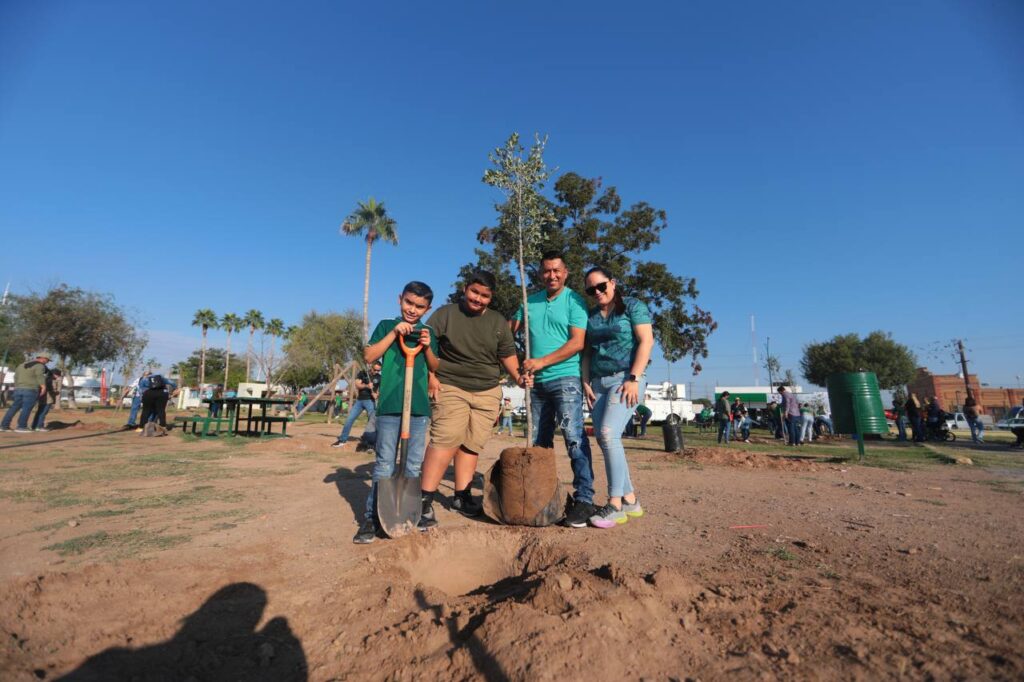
{"x": 526, "y": 323}
{"x": 248, "y": 354}
{"x": 366, "y": 291}
{"x": 202, "y": 361}
{"x": 71, "y": 382}
{"x": 227, "y": 361}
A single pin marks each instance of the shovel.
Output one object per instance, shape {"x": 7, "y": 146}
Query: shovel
{"x": 398, "y": 498}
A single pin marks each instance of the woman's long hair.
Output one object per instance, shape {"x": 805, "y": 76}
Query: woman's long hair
{"x": 618, "y": 305}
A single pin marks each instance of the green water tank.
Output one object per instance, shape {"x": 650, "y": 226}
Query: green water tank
{"x": 846, "y": 389}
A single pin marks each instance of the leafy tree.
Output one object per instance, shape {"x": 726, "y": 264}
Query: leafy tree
{"x": 80, "y": 327}
{"x": 893, "y": 363}
{"x": 275, "y": 329}
{"x": 230, "y": 323}
{"x": 204, "y": 319}
{"x": 317, "y": 344}
{"x": 370, "y": 221}
{"x": 254, "y": 320}
{"x": 520, "y": 177}
{"x": 591, "y": 227}
{"x": 216, "y": 361}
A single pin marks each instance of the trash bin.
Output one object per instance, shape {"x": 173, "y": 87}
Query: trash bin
{"x": 672, "y": 430}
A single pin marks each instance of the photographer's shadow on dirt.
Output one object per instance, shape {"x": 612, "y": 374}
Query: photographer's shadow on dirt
{"x": 217, "y": 642}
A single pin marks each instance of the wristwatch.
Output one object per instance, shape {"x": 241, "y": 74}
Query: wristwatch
{"x": 631, "y": 377}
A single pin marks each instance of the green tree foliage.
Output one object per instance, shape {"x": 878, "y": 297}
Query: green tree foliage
{"x": 591, "y": 227}
{"x": 370, "y": 221}
{"x": 205, "y": 319}
{"x": 230, "y": 323}
{"x": 80, "y": 327}
{"x": 317, "y": 344}
{"x": 253, "y": 320}
{"x": 893, "y": 363}
{"x": 189, "y": 368}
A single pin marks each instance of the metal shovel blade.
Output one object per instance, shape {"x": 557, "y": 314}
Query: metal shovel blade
{"x": 398, "y": 501}
{"x": 398, "y": 505}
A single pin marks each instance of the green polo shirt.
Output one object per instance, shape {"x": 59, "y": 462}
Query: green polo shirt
{"x": 392, "y": 373}
{"x": 550, "y": 322}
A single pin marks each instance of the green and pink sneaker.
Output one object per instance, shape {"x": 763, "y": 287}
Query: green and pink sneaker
{"x": 633, "y": 510}
{"x": 608, "y": 517}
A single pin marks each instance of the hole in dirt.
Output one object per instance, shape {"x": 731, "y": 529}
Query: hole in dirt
{"x": 465, "y": 563}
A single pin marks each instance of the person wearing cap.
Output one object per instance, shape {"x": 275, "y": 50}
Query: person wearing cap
{"x": 29, "y": 386}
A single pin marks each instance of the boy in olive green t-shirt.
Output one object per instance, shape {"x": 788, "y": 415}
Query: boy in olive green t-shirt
{"x": 414, "y": 302}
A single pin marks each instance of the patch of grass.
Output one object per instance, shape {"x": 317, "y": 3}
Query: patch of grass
{"x": 197, "y": 495}
{"x": 49, "y": 526}
{"x": 103, "y": 513}
{"x": 934, "y": 503}
{"x": 122, "y": 544}
{"x": 782, "y": 554}
{"x": 81, "y": 544}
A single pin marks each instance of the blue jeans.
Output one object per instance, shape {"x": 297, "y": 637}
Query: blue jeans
{"x": 136, "y": 406}
{"x": 561, "y": 401}
{"x": 901, "y": 428}
{"x": 724, "y": 429}
{"x": 745, "y": 428}
{"x": 40, "y": 420}
{"x": 610, "y": 416}
{"x": 389, "y": 427}
{"x": 977, "y": 430}
{"x": 794, "y": 426}
{"x": 506, "y": 424}
{"x": 24, "y": 399}
{"x": 358, "y": 407}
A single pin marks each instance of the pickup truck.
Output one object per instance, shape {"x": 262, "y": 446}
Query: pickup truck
{"x": 957, "y": 420}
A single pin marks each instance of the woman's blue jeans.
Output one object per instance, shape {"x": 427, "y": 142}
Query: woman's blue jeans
{"x": 610, "y": 415}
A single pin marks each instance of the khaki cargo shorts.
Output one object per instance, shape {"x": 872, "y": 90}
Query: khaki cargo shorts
{"x": 464, "y": 418}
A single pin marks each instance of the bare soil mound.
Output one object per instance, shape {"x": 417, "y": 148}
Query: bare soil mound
{"x": 749, "y": 460}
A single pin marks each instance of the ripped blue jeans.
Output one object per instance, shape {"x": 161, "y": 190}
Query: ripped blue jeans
{"x": 560, "y": 402}
{"x": 611, "y": 415}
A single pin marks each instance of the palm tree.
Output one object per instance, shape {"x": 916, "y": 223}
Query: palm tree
{"x": 205, "y": 319}
{"x": 254, "y": 320}
{"x": 370, "y": 221}
{"x": 276, "y": 330}
{"x": 230, "y": 323}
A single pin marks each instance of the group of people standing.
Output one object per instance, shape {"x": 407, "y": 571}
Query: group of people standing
{"x": 151, "y": 395}
{"x": 595, "y": 355}
{"x": 35, "y": 386}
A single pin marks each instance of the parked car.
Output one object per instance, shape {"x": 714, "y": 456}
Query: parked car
{"x": 87, "y": 399}
{"x": 957, "y": 420}
{"x": 1011, "y": 423}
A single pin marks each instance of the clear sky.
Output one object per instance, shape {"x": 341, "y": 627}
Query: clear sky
{"x": 826, "y": 167}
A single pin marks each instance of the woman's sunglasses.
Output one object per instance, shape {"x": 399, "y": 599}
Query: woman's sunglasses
{"x": 602, "y": 287}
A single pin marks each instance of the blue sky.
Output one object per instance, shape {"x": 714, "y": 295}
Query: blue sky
{"x": 826, "y": 167}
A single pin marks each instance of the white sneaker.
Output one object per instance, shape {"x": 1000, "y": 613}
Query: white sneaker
{"x": 23, "y": 430}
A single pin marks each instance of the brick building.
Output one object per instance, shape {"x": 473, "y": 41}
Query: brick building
{"x": 950, "y": 390}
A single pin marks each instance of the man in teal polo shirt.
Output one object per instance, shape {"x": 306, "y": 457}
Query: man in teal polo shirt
{"x": 558, "y": 325}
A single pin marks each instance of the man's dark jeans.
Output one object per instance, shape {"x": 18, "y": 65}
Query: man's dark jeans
{"x": 560, "y": 401}
{"x": 24, "y": 400}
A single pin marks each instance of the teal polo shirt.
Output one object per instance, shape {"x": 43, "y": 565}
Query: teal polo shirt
{"x": 550, "y": 322}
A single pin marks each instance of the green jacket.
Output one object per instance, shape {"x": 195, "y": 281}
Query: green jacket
{"x": 30, "y": 375}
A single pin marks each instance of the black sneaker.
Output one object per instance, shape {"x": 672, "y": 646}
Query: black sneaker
{"x": 578, "y": 512}
{"x": 464, "y": 503}
{"x": 367, "y": 532}
{"x": 427, "y": 518}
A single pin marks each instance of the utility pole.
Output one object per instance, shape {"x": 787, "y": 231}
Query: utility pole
{"x": 963, "y": 365}
{"x": 753, "y": 347}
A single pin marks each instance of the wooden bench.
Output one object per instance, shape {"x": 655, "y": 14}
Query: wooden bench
{"x": 195, "y": 421}
{"x": 264, "y": 424}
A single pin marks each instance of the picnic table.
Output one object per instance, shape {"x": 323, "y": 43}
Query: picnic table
{"x": 241, "y": 408}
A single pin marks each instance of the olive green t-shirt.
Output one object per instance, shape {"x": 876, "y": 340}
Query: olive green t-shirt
{"x": 472, "y": 347}
{"x": 391, "y": 393}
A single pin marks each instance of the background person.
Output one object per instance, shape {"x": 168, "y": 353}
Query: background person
{"x": 54, "y": 377}
{"x": 618, "y": 348}
{"x": 976, "y": 425}
{"x": 723, "y": 414}
{"x": 29, "y": 386}
{"x": 558, "y": 323}
{"x": 366, "y": 382}
{"x": 789, "y": 409}
{"x": 141, "y": 385}
{"x": 506, "y": 416}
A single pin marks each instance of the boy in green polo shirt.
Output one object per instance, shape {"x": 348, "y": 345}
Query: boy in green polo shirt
{"x": 414, "y": 302}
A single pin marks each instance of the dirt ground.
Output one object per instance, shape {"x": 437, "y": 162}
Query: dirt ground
{"x": 171, "y": 558}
